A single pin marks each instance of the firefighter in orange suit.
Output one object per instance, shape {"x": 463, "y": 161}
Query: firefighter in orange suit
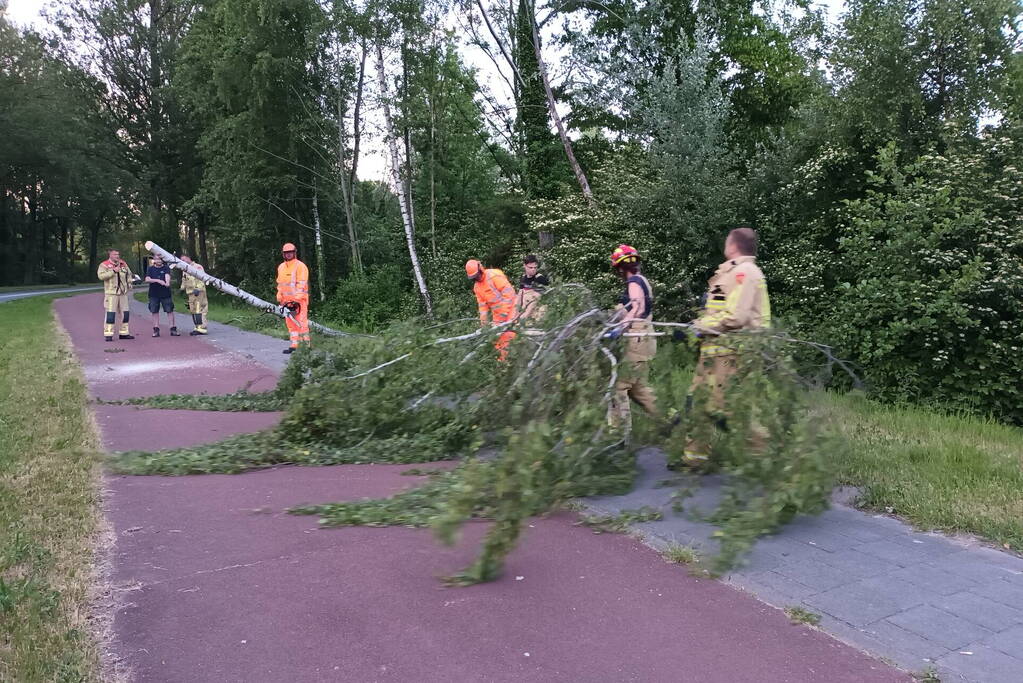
{"x": 495, "y": 298}
{"x": 293, "y": 293}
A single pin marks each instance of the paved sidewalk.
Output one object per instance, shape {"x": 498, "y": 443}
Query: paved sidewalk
{"x": 214, "y": 582}
{"x": 919, "y": 599}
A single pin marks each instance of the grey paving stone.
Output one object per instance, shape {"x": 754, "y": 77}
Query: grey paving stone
{"x": 984, "y": 665}
{"x": 909, "y": 652}
{"x": 783, "y": 586}
{"x": 814, "y": 574}
{"x": 818, "y": 537}
{"x": 1009, "y": 641}
{"x": 903, "y": 553}
{"x": 942, "y": 627}
{"x": 868, "y": 600}
{"x": 1002, "y": 591}
{"x": 979, "y": 610}
{"x": 974, "y": 564}
{"x": 917, "y": 646}
{"x": 855, "y": 524}
{"x": 859, "y": 565}
{"x": 934, "y": 579}
{"x": 786, "y": 547}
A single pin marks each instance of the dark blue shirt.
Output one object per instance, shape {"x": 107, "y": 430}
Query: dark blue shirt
{"x": 158, "y": 291}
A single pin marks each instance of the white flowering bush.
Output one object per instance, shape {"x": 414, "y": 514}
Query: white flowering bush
{"x": 926, "y": 280}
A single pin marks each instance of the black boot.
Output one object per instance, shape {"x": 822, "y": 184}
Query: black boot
{"x": 174, "y": 332}
{"x": 288, "y": 350}
{"x": 108, "y": 339}
{"x": 156, "y": 331}
{"x": 125, "y": 336}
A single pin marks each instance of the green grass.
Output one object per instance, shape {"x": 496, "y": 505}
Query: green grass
{"x": 798, "y": 615}
{"x": 677, "y": 553}
{"x": 48, "y": 501}
{"x": 948, "y": 472}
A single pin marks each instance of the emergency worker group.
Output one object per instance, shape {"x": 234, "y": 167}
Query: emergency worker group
{"x": 736, "y": 300}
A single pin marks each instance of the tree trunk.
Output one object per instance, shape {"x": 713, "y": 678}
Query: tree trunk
{"x": 204, "y": 253}
{"x": 580, "y": 176}
{"x": 321, "y": 268}
{"x": 228, "y": 288}
{"x": 403, "y": 202}
{"x": 344, "y": 179}
{"x": 94, "y": 243}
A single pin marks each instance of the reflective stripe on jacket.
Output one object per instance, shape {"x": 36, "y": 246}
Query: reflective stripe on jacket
{"x": 494, "y": 296}
{"x": 116, "y": 280}
{"x": 292, "y": 281}
{"x": 736, "y": 300}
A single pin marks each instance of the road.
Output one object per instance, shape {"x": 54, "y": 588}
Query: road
{"x": 212, "y": 580}
{"x": 11, "y": 296}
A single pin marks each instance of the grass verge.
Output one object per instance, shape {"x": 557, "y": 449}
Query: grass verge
{"x": 48, "y": 502}
{"x": 956, "y": 473}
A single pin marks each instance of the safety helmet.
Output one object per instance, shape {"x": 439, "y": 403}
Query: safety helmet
{"x": 472, "y": 268}
{"x": 288, "y": 246}
{"x": 623, "y": 253}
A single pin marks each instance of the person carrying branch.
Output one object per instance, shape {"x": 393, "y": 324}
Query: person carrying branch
{"x": 633, "y": 314}
{"x": 293, "y": 294}
{"x": 117, "y": 279}
{"x": 736, "y": 300}
{"x": 495, "y": 299}
{"x": 198, "y": 303}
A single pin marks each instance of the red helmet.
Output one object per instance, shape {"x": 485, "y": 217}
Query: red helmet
{"x": 624, "y": 254}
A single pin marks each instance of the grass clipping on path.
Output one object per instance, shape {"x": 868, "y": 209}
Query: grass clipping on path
{"x": 48, "y": 502}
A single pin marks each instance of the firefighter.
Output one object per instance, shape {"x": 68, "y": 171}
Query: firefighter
{"x": 495, "y": 298}
{"x": 198, "y": 304}
{"x": 634, "y": 314}
{"x": 117, "y": 278}
{"x": 531, "y": 287}
{"x": 736, "y": 300}
{"x": 293, "y": 293}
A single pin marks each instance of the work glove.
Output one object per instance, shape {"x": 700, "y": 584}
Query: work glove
{"x": 614, "y": 334}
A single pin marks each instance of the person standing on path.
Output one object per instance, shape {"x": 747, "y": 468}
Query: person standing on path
{"x": 634, "y": 314}
{"x": 195, "y": 292}
{"x": 293, "y": 294}
{"x": 495, "y": 300}
{"x": 531, "y": 287}
{"x": 736, "y": 300}
{"x": 158, "y": 277}
{"x": 117, "y": 278}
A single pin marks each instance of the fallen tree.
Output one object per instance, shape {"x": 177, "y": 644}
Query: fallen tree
{"x": 227, "y": 288}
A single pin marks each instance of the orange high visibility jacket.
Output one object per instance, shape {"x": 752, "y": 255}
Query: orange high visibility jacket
{"x": 495, "y": 296}
{"x": 292, "y": 281}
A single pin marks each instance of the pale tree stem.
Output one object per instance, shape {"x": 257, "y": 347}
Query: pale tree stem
{"x": 346, "y": 180}
{"x": 321, "y": 268}
{"x": 403, "y": 202}
{"x": 580, "y": 176}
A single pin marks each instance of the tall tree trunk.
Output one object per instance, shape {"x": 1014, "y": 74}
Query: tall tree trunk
{"x": 580, "y": 176}
{"x": 204, "y": 253}
{"x": 94, "y": 243}
{"x": 190, "y": 239}
{"x": 321, "y": 268}
{"x": 433, "y": 164}
{"x": 344, "y": 179}
{"x": 403, "y": 202}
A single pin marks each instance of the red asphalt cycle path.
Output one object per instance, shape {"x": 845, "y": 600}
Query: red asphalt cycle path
{"x": 215, "y": 582}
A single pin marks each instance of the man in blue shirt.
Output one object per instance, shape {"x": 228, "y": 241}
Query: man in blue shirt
{"x": 158, "y": 277}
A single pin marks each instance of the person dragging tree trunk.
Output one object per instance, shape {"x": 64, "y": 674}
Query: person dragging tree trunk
{"x": 117, "y": 278}
{"x": 736, "y": 300}
{"x": 495, "y": 300}
{"x": 158, "y": 277}
{"x": 195, "y": 291}
{"x": 634, "y": 313}
{"x": 293, "y": 294}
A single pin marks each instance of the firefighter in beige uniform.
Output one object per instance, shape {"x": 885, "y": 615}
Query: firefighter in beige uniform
{"x": 736, "y": 300}
{"x": 635, "y": 308}
{"x": 198, "y": 304}
{"x": 117, "y": 278}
